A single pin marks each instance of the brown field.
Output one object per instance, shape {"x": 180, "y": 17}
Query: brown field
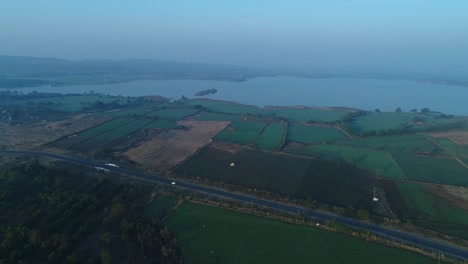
{"x": 35, "y": 136}
{"x": 459, "y": 137}
{"x": 456, "y": 195}
{"x": 166, "y": 149}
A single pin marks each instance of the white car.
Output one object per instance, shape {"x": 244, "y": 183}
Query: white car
{"x": 173, "y": 183}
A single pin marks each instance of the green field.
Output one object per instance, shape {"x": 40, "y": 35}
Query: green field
{"x": 406, "y": 143}
{"x": 432, "y": 169}
{"x": 226, "y": 107}
{"x": 162, "y": 124}
{"x": 272, "y": 137}
{"x": 209, "y": 116}
{"x": 174, "y": 113}
{"x": 213, "y": 235}
{"x": 391, "y": 120}
{"x": 140, "y": 111}
{"x": 108, "y": 137}
{"x": 377, "y": 162}
{"x": 306, "y": 114}
{"x": 451, "y": 147}
{"x": 160, "y": 206}
{"x": 241, "y": 132}
{"x": 313, "y": 134}
{"x": 92, "y": 132}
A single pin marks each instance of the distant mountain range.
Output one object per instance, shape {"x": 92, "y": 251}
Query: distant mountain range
{"x": 31, "y": 71}
{"x": 17, "y": 71}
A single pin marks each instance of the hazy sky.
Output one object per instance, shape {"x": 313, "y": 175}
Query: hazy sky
{"x": 397, "y": 35}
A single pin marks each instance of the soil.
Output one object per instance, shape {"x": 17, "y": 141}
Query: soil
{"x": 456, "y": 195}
{"x": 459, "y": 137}
{"x": 166, "y": 149}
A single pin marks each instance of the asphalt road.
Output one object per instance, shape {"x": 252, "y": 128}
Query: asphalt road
{"x": 407, "y": 238}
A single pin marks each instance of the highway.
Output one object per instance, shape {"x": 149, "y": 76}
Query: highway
{"x": 408, "y": 238}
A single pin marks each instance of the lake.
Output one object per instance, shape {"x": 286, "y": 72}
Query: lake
{"x": 366, "y": 94}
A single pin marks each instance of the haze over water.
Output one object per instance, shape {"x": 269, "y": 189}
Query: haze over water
{"x": 366, "y": 94}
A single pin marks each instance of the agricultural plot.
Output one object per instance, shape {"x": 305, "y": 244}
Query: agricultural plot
{"x": 318, "y": 179}
{"x": 313, "y": 134}
{"x": 141, "y": 111}
{"x": 241, "y": 132}
{"x": 104, "y": 139}
{"x": 432, "y": 169}
{"x": 174, "y": 113}
{"x": 209, "y": 116}
{"x": 454, "y": 149}
{"x": 406, "y": 143}
{"x": 160, "y": 206}
{"x": 162, "y": 124}
{"x": 226, "y": 107}
{"x": 376, "y": 162}
{"x": 272, "y": 137}
{"x": 420, "y": 199}
{"x": 306, "y": 114}
{"x": 92, "y": 132}
{"x": 391, "y": 120}
{"x": 215, "y": 235}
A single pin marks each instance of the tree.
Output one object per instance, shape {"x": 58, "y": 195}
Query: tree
{"x": 398, "y": 110}
{"x": 377, "y": 110}
{"x": 425, "y": 111}
{"x": 414, "y": 110}
{"x": 362, "y": 214}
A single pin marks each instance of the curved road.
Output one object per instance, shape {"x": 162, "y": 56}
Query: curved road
{"x": 390, "y": 233}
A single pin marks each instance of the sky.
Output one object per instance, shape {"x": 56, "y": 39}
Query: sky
{"x": 401, "y": 36}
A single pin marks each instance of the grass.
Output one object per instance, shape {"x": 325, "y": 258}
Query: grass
{"x": 406, "y": 143}
{"x": 241, "y": 132}
{"x": 313, "y": 134}
{"x": 432, "y": 169}
{"x": 213, "y": 235}
{"x": 451, "y": 147}
{"x": 272, "y": 137}
{"x": 306, "y": 114}
{"x": 377, "y": 162}
{"x": 140, "y": 111}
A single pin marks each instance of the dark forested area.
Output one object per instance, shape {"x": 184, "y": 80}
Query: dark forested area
{"x": 52, "y": 214}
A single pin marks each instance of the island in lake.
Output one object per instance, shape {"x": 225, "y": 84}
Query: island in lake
{"x": 206, "y": 92}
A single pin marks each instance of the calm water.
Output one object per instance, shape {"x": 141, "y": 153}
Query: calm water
{"x": 366, "y": 94}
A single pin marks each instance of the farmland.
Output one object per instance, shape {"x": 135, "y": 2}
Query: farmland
{"x": 226, "y": 107}
{"x": 433, "y": 211}
{"x": 321, "y": 180}
{"x": 432, "y": 169}
{"x": 214, "y": 235}
{"x": 406, "y": 143}
{"x": 272, "y": 137}
{"x": 209, "y": 116}
{"x": 174, "y": 113}
{"x": 241, "y": 132}
{"x": 377, "y": 162}
{"x": 313, "y": 134}
{"x": 392, "y": 120}
{"x": 302, "y": 114}
{"x": 92, "y": 132}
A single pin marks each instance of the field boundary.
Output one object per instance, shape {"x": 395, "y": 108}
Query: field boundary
{"x": 398, "y": 166}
